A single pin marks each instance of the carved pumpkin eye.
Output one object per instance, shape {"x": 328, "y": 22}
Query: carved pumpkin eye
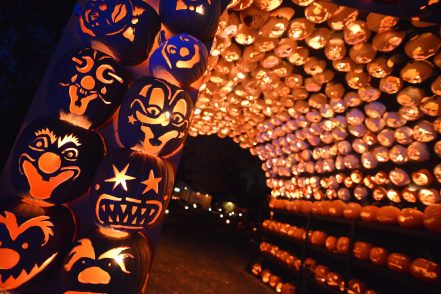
{"x": 105, "y": 74}
{"x": 70, "y": 154}
{"x": 171, "y": 49}
{"x": 177, "y": 118}
{"x": 25, "y": 245}
{"x": 85, "y": 64}
{"x": 153, "y": 111}
{"x": 39, "y": 144}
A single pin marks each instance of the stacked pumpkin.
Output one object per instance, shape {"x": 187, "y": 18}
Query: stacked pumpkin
{"x": 272, "y": 280}
{"x": 284, "y": 256}
{"x": 69, "y": 154}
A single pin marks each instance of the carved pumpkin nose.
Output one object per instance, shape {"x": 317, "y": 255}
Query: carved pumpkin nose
{"x": 94, "y": 275}
{"x": 8, "y": 258}
{"x": 184, "y": 52}
{"x": 49, "y": 162}
{"x": 88, "y": 82}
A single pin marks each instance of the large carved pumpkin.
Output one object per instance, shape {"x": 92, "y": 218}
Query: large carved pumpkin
{"x": 100, "y": 264}
{"x": 124, "y": 29}
{"x": 181, "y": 60}
{"x": 154, "y": 117}
{"x": 195, "y": 17}
{"x": 32, "y": 239}
{"x": 131, "y": 190}
{"x": 88, "y": 84}
{"x": 54, "y": 161}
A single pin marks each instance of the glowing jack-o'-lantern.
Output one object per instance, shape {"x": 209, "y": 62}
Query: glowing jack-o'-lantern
{"x": 131, "y": 190}
{"x": 181, "y": 60}
{"x": 32, "y": 240}
{"x": 124, "y": 29}
{"x": 53, "y": 161}
{"x": 199, "y": 18}
{"x": 90, "y": 84}
{"x": 100, "y": 264}
{"x": 154, "y": 117}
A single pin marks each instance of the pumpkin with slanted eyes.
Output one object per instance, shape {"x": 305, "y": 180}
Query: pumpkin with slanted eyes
{"x": 32, "y": 240}
{"x": 54, "y": 161}
{"x": 88, "y": 84}
{"x": 154, "y": 117}
{"x": 100, "y": 264}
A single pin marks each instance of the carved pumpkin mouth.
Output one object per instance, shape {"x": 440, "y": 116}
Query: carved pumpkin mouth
{"x": 126, "y": 213}
{"x": 154, "y": 144}
{"x": 11, "y": 282}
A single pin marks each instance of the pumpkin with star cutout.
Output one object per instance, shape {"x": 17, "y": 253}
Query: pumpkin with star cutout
{"x": 154, "y": 117}
{"x": 32, "y": 240}
{"x": 88, "y": 84}
{"x": 124, "y": 29}
{"x": 131, "y": 190}
{"x": 54, "y": 161}
{"x": 181, "y": 60}
{"x": 98, "y": 263}
{"x": 199, "y": 18}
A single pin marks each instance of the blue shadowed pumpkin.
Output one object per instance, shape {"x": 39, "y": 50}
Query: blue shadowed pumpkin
{"x": 181, "y": 60}
{"x": 199, "y": 18}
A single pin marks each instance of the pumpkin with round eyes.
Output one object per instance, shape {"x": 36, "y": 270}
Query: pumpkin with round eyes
{"x": 54, "y": 161}
{"x": 32, "y": 240}
{"x": 154, "y": 117}
{"x": 88, "y": 84}
{"x": 131, "y": 190}
{"x": 181, "y": 60}
{"x": 199, "y": 18}
{"x": 98, "y": 263}
{"x": 124, "y": 29}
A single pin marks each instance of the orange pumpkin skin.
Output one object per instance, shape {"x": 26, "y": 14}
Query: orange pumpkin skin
{"x": 326, "y": 207}
{"x": 320, "y": 273}
{"x": 310, "y": 263}
{"x": 318, "y": 238}
{"x": 356, "y": 287}
{"x": 398, "y": 262}
{"x": 369, "y": 213}
{"x": 378, "y": 256}
{"x": 352, "y": 210}
{"x": 370, "y": 291}
{"x": 331, "y": 243}
{"x": 336, "y": 208}
{"x": 425, "y": 270}
{"x": 388, "y": 215}
{"x": 362, "y": 250}
{"x": 288, "y": 288}
{"x": 317, "y": 207}
{"x": 432, "y": 218}
{"x": 343, "y": 245}
{"x": 306, "y": 207}
{"x": 410, "y": 218}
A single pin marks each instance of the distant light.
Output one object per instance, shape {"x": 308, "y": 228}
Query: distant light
{"x": 221, "y": 216}
{"x": 209, "y": 208}
{"x": 232, "y": 213}
{"x": 194, "y": 205}
{"x": 220, "y": 209}
{"x": 227, "y": 221}
{"x": 240, "y": 214}
{"x": 185, "y": 188}
{"x": 177, "y": 189}
{"x": 186, "y": 207}
{"x": 167, "y": 211}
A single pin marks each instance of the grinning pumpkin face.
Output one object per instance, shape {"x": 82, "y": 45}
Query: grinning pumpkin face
{"x": 30, "y": 242}
{"x": 99, "y": 264}
{"x": 53, "y": 160}
{"x": 154, "y": 117}
{"x": 131, "y": 190}
{"x": 90, "y": 84}
{"x": 180, "y": 60}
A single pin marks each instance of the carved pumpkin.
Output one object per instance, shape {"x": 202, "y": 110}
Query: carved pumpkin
{"x": 362, "y": 250}
{"x": 199, "y": 18}
{"x": 131, "y": 190}
{"x": 352, "y": 210}
{"x": 425, "y": 270}
{"x": 432, "y": 217}
{"x": 154, "y": 117}
{"x": 410, "y": 218}
{"x": 124, "y": 29}
{"x": 54, "y": 161}
{"x": 378, "y": 256}
{"x": 181, "y": 60}
{"x": 320, "y": 273}
{"x": 88, "y": 84}
{"x": 331, "y": 243}
{"x": 318, "y": 238}
{"x": 369, "y": 213}
{"x": 100, "y": 264}
{"x": 398, "y": 262}
{"x": 356, "y": 286}
{"x": 343, "y": 245}
{"x": 388, "y": 214}
{"x": 32, "y": 239}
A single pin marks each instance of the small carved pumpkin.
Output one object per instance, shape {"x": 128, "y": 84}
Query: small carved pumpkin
{"x": 425, "y": 270}
{"x": 398, "y": 262}
{"x": 362, "y": 250}
{"x": 378, "y": 256}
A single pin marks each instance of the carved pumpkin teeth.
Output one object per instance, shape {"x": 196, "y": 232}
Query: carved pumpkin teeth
{"x": 143, "y": 210}
{"x": 134, "y": 221}
{"x": 123, "y": 207}
{"x": 142, "y": 222}
{"x": 125, "y": 219}
{"x": 134, "y": 209}
{"x": 112, "y": 206}
{"x": 110, "y": 219}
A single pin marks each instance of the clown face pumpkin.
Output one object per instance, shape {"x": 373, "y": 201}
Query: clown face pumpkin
{"x": 99, "y": 264}
{"x": 154, "y": 117}
{"x": 31, "y": 240}
{"x": 89, "y": 84}
{"x": 54, "y": 161}
{"x": 124, "y": 29}
{"x": 131, "y": 190}
{"x": 181, "y": 60}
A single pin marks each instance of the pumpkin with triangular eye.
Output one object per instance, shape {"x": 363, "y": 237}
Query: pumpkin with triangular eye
{"x": 88, "y": 84}
{"x": 54, "y": 161}
{"x": 98, "y": 263}
{"x": 154, "y": 117}
{"x": 32, "y": 240}
{"x": 124, "y": 29}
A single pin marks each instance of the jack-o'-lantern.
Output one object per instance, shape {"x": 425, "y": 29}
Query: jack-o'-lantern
{"x": 256, "y": 269}
{"x": 432, "y": 217}
{"x": 356, "y": 286}
{"x": 131, "y": 190}
{"x": 422, "y": 46}
{"x": 380, "y": 67}
{"x": 124, "y": 29}
{"x": 320, "y": 273}
{"x": 154, "y": 117}
{"x": 362, "y": 250}
{"x": 198, "y": 18}
{"x": 388, "y": 40}
{"x": 410, "y": 218}
{"x": 399, "y": 262}
{"x": 422, "y": 177}
{"x": 388, "y": 214}
{"x": 32, "y": 240}
{"x": 343, "y": 245}
{"x": 335, "y": 280}
{"x": 416, "y": 72}
{"x": 356, "y": 32}
{"x": 425, "y": 270}
{"x": 89, "y": 84}
{"x": 378, "y": 256}
{"x": 352, "y": 210}
{"x": 100, "y": 264}
{"x": 318, "y": 238}
{"x": 54, "y": 161}
{"x": 181, "y": 60}
{"x": 300, "y": 28}
{"x": 331, "y": 243}
{"x": 369, "y": 213}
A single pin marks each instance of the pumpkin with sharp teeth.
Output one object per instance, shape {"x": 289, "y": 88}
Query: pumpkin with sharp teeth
{"x": 53, "y": 161}
{"x": 131, "y": 190}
